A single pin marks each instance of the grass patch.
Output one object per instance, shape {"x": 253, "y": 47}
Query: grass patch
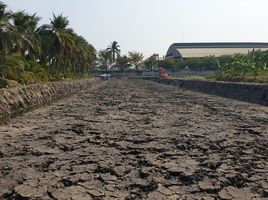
{"x": 261, "y": 78}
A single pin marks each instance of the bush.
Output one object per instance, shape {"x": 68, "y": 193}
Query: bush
{"x": 243, "y": 67}
{"x": 40, "y": 72}
{"x": 12, "y": 67}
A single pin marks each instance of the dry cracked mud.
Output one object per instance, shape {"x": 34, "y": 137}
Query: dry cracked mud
{"x": 135, "y": 139}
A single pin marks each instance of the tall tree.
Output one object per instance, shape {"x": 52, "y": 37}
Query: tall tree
{"x": 84, "y": 55}
{"x": 62, "y": 39}
{"x": 28, "y": 51}
{"x": 5, "y": 29}
{"x": 114, "y": 50}
{"x": 136, "y": 59}
{"x": 104, "y": 58}
{"x": 122, "y": 62}
{"x": 26, "y": 38}
{"x": 151, "y": 62}
{"x": 6, "y": 33}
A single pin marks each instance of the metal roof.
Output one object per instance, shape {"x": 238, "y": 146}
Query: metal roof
{"x": 176, "y": 50}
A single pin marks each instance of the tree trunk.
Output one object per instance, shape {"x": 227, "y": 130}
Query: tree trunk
{"x": 1, "y": 48}
{"x": 1, "y": 59}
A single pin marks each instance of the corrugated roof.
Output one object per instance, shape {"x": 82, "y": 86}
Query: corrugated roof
{"x": 178, "y": 50}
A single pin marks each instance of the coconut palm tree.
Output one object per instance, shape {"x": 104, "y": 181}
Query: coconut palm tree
{"x": 5, "y": 29}
{"x": 84, "y": 55}
{"x": 28, "y": 51}
{"x": 34, "y": 50}
{"x": 61, "y": 41}
{"x": 104, "y": 59}
{"x": 114, "y": 50}
{"x": 26, "y": 40}
{"x": 6, "y": 32}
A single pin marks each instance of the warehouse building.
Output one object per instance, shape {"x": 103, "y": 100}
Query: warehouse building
{"x": 199, "y": 50}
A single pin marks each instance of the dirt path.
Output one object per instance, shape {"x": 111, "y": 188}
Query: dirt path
{"x": 133, "y": 139}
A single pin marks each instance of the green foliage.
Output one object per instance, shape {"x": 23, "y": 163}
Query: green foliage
{"x": 168, "y": 63}
{"x": 38, "y": 70}
{"x": 151, "y": 63}
{"x": 135, "y": 58}
{"x": 27, "y": 77}
{"x": 240, "y": 66}
{"x": 104, "y": 59}
{"x": 30, "y": 54}
{"x": 236, "y": 66}
{"x": 12, "y": 66}
{"x": 207, "y": 63}
{"x": 257, "y": 62}
{"x": 122, "y": 63}
{"x": 113, "y": 50}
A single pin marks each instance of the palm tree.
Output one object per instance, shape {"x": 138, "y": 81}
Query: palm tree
{"x": 114, "y": 50}
{"x": 6, "y": 32}
{"x": 34, "y": 50}
{"x": 84, "y": 55}
{"x": 61, "y": 38}
{"x": 27, "y": 50}
{"x": 135, "y": 59}
{"x": 26, "y": 39}
{"x": 5, "y": 29}
{"x": 104, "y": 58}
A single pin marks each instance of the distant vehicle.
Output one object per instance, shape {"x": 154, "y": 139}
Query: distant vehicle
{"x": 163, "y": 74}
{"x": 105, "y": 76}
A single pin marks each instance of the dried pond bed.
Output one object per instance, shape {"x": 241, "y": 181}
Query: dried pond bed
{"x": 135, "y": 139}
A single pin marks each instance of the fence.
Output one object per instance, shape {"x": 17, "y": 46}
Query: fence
{"x": 185, "y": 72}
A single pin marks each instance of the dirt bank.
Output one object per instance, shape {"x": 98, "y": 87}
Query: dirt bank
{"x": 136, "y": 139}
{"x": 249, "y": 92}
{"x": 19, "y": 99}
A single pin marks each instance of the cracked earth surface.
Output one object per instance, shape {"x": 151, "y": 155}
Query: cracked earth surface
{"x": 134, "y": 139}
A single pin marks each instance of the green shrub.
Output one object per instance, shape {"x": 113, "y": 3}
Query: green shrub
{"x": 243, "y": 67}
{"x": 40, "y": 72}
{"x": 12, "y": 67}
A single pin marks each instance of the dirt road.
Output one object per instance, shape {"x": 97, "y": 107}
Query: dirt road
{"x": 133, "y": 139}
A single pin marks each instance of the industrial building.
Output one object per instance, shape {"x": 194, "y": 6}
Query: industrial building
{"x": 199, "y": 50}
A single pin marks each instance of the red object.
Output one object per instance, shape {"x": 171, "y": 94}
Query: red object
{"x": 163, "y": 74}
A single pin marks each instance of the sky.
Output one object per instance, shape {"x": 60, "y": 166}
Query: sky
{"x": 151, "y": 26}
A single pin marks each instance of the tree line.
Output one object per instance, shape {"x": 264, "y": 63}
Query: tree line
{"x": 31, "y": 53}
{"x": 248, "y": 67}
{"x": 112, "y": 59}
{"x": 238, "y": 65}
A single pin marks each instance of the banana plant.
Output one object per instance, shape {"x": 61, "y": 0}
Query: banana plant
{"x": 257, "y": 62}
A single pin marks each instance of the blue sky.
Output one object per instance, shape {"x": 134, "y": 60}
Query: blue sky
{"x": 150, "y": 26}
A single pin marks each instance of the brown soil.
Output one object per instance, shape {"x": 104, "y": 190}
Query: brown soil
{"x": 135, "y": 139}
